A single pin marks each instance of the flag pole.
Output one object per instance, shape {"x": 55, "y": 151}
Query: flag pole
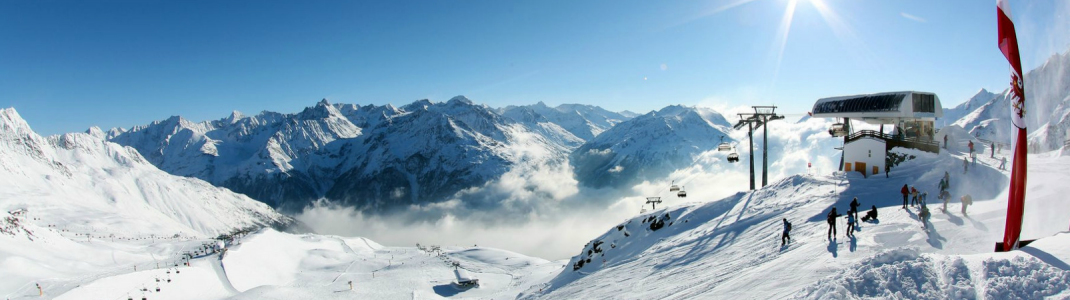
{"x": 1008, "y": 44}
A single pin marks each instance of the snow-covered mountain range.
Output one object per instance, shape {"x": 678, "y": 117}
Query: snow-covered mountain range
{"x": 81, "y": 180}
{"x": 372, "y": 157}
{"x": 1047, "y": 91}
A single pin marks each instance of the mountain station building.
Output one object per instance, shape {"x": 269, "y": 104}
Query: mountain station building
{"x": 910, "y": 114}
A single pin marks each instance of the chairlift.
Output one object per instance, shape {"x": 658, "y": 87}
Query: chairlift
{"x": 674, "y": 188}
{"x": 682, "y": 194}
{"x": 733, "y": 157}
{"x": 838, "y": 130}
{"x": 724, "y": 146}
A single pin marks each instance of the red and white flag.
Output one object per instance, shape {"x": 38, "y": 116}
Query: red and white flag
{"x": 1008, "y": 44}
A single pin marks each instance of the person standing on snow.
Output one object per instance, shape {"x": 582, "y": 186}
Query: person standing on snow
{"x": 945, "y": 142}
{"x": 992, "y": 152}
{"x": 965, "y": 165}
{"x": 971, "y": 147}
{"x": 854, "y": 207}
{"x": 850, "y": 225}
{"x": 966, "y": 200}
{"x": 786, "y": 237}
{"x": 924, "y": 215}
{"x": 913, "y": 196}
{"x": 1003, "y": 164}
{"x": 832, "y": 223}
{"x": 906, "y": 192}
{"x": 947, "y": 179}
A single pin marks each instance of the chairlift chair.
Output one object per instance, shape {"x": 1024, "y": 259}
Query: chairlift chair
{"x": 724, "y": 146}
{"x": 674, "y": 188}
{"x": 733, "y": 157}
{"x": 838, "y": 130}
{"x": 682, "y": 194}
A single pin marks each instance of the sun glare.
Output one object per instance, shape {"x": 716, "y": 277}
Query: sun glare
{"x": 854, "y": 45}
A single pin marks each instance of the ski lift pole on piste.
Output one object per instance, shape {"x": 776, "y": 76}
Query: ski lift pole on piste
{"x": 761, "y": 116}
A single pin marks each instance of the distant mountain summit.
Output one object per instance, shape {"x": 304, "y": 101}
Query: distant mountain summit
{"x": 649, "y": 146}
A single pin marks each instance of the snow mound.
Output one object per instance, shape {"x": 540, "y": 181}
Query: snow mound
{"x": 1030, "y": 273}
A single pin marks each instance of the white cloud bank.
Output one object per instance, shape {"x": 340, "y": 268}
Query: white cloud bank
{"x": 540, "y": 209}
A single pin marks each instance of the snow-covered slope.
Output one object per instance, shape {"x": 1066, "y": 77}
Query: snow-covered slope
{"x": 649, "y": 146}
{"x": 77, "y": 179}
{"x": 730, "y": 248}
{"x": 92, "y": 208}
{"x": 1048, "y": 108}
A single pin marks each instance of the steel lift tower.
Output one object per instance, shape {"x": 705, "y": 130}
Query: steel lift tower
{"x": 761, "y": 116}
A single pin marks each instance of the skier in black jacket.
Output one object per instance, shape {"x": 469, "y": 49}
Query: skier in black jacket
{"x": 787, "y": 233}
{"x": 854, "y": 207}
{"x": 832, "y": 223}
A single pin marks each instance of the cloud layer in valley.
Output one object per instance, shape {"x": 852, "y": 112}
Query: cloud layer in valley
{"x": 540, "y": 209}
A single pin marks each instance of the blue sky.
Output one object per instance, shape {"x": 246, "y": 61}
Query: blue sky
{"x": 68, "y": 65}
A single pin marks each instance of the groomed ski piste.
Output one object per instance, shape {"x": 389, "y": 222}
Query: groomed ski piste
{"x": 709, "y": 249}
{"x": 731, "y": 248}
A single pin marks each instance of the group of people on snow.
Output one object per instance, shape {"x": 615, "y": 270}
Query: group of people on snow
{"x": 912, "y": 197}
{"x": 852, "y": 218}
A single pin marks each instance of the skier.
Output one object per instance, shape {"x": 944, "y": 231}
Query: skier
{"x": 1003, "y": 164}
{"x": 850, "y": 225}
{"x": 966, "y": 200}
{"x": 946, "y": 196}
{"x": 786, "y": 237}
{"x": 992, "y": 151}
{"x": 974, "y": 159}
{"x": 971, "y": 147}
{"x": 887, "y": 169}
{"x": 965, "y": 165}
{"x": 947, "y": 179}
{"x": 832, "y": 223}
{"x": 945, "y": 142}
{"x": 854, "y": 207}
{"x": 871, "y": 215}
{"x": 924, "y": 215}
{"x": 906, "y": 192}
{"x": 40, "y": 292}
{"x": 913, "y": 196}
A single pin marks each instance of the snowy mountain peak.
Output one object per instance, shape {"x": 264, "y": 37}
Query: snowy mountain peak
{"x": 234, "y": 117}
{"x": 96, "y": 132}
{"x": 460, "y": 100}
{"x": 322, "y": 110}
{"x": 12, "y": 122}
{"x": 648, "y": 146}
{"x": 421, "y": 104}
{"x": 673, "y": 110}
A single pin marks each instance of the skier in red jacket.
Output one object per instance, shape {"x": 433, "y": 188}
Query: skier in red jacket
{"x": 906, "y": 193}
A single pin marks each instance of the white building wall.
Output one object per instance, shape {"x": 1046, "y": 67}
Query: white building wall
{"x": 869, "y": 151}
